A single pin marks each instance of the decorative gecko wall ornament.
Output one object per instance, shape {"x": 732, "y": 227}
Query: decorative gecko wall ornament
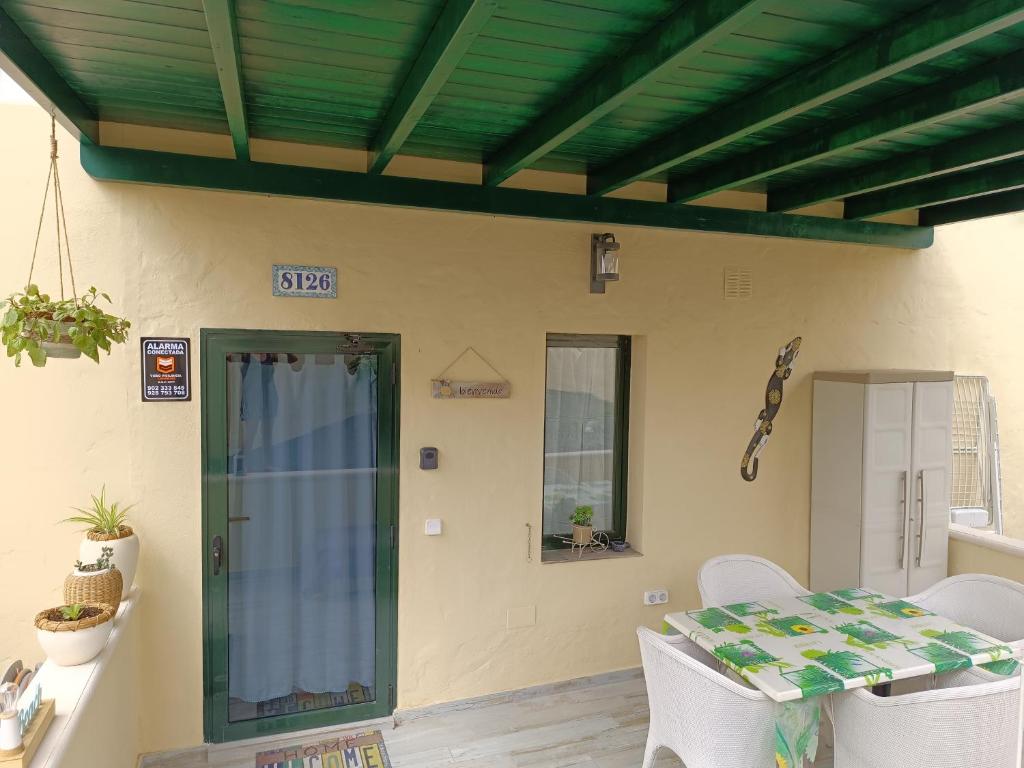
{"x": 772, "y": 404}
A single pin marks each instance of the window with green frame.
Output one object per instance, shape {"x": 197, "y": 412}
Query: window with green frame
{"x": 586, "y": 423}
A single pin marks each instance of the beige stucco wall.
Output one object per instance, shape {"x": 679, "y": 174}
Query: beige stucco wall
{"x": 179, "y": 260}
{"x": 970, "y": 552}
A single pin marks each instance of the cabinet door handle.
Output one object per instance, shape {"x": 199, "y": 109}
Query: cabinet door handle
{"x": 920, "y": 523}
{"x": 903, "y": 519}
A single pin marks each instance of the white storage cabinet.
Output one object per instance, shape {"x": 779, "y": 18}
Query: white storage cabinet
{"x": 882, "y": 459}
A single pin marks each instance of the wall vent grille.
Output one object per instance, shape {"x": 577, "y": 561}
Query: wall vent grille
{"x": 738, "y": 283}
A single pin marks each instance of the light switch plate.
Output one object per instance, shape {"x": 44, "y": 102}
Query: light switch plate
{"x": 433, "y": 527}
{"x": 523, "y": 616}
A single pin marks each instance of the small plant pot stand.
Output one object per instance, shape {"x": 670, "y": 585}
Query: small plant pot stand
{"x": 599, "y": 542}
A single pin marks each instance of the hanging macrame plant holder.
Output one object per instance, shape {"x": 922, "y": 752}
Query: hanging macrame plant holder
{"x": 36, "y": 325}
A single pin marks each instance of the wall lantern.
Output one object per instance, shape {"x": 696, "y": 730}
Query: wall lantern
{"x": 604, "y": 261}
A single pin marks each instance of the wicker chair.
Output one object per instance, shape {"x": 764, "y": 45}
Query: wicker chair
{"x": 975, "y": 676}
{"x": 974, "y": 725}
{"x": 972, "y": 676}
{"x": 707, "y": 720}
{"x": 742, "y": 578}
{"x": 989, "y": 604}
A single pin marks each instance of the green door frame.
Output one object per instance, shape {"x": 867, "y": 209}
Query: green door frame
{"x": 215, "y": 344}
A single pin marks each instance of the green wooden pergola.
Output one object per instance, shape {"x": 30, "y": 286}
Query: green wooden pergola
{"x": 885, "y": 105}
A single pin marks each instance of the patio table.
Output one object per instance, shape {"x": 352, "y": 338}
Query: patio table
{"x": 796, "y": 649}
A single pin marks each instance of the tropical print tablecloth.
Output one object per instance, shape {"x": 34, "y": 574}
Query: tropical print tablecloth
{"x": 798, "y": 648}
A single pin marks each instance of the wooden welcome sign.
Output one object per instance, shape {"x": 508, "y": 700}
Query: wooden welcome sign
{"x": 443, "y": 388}
{"x": 470, "y": 390}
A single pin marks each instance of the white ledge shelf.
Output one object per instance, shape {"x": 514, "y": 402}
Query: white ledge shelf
{"x": 987, "y": 539}
{"x": 71, "y": 688}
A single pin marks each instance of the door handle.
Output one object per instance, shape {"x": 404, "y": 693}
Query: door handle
{"x": 903, "y": 519}
{"x": 920, "y": 524}
{"x": 218, "y": 554}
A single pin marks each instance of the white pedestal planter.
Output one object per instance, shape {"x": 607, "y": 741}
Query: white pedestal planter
{"x": 125, "y": 557}
{"x": 69, "y": 644}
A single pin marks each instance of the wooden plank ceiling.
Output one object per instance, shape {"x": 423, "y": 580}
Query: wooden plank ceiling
{"x": 887, "y": 105}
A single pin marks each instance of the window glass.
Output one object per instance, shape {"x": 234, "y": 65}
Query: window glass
{"x": 584, "y": 428}
{"x": 976, "y": 483}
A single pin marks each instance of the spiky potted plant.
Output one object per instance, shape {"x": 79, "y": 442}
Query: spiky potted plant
{"x": 582, "y": 525}
{"x": 106, "y": 526}
{"x": 74, "y": 634}
{"x": 42, "y": 327}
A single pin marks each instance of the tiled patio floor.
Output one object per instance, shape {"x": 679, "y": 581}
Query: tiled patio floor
{"x": 600, "y": 725}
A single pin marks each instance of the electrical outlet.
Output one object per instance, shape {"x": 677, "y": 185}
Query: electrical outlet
{"x": 656, "y": 597}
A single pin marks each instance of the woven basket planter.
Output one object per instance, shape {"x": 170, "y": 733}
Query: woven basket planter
{"x": 126, "y": 552}
{"x": 123, "y": 533}
{"x": 45, "y": 620}
{"x": 103, "y": 587}
{"x": 69, "y": 643}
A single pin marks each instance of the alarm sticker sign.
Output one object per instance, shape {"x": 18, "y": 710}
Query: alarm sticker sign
{"x": 166, "y": 374}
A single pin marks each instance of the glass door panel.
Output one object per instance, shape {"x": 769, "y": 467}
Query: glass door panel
{"x": 299, "y": 576}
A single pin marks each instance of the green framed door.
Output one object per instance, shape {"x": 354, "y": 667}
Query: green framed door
{"x": 300, "y": 501}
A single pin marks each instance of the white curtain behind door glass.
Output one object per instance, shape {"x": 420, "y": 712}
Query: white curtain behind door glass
{"x": 579, "y": 433}
{"x": 302, "y": 455}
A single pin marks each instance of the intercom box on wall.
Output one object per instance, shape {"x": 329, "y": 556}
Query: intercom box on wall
{"x": 428, "y": 458}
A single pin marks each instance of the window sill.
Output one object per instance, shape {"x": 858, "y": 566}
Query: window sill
{"x": 568, "y": 556}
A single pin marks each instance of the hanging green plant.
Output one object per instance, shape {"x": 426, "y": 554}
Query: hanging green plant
{"x": 38, "y": 326}
{"x": 34, "y": 324}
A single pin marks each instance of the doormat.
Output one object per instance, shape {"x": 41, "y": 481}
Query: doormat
{"x": 360, "y": 750}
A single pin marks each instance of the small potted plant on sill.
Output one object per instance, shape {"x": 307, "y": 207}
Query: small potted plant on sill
{"x": 41, "y": 327}
{"x": 582, "y": 525}
{"x": 106, "y": 527}
{"x": 74, "y": 634}
{"x": 98, "y": 582}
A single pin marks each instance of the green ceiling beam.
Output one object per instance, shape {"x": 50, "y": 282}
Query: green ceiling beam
{"x": 456, "y": 28}
{"x": 982, "y": 180}
{"x": 688, "y": 32}
{"x": 975, "y": 89}
{"x": 134, "y": 165}
{"x": 20, "y": 59}
{"x": 991, "y": 146}
{"x": 931, "y": 32}
{"x": 220, "y": 19}
{"x": 973, "y": 208}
